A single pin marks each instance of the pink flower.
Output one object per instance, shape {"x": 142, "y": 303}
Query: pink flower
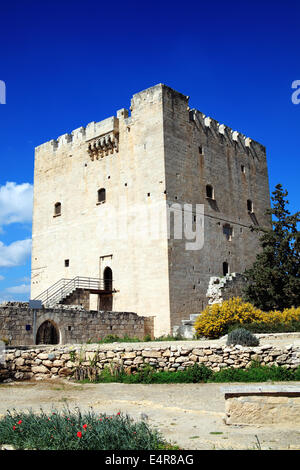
{"x": 20, "y": 422}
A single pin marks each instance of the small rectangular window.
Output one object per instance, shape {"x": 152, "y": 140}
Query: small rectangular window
{"x": 67, "y": 263}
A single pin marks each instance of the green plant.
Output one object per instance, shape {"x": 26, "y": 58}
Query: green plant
{"x": 66, "y": 430}
{"x": 73, "y": 356}
{"x": 256, "y": 373}
{"x": 93, "y": 360}
{"x": 243, "y": 337}
{"x": 198, "y": 373}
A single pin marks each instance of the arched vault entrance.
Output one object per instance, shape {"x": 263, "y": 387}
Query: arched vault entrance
{"x": 47, "y": 333}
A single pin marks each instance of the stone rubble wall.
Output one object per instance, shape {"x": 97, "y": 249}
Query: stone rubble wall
{"x": 59, "y": 361}
{"x": 226, "y": 287}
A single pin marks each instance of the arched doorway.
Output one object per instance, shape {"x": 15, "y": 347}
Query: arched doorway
{"x": 47, "y": 333}
{"x": 107, "y": 279}
{"x": 106, "y": 298}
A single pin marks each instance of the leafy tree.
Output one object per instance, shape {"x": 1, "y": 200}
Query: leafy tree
{"x": 273, "y": 282}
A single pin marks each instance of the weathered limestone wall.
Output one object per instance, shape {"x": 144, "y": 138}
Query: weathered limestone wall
{"x": 199, "y": 151}
{"x": 114, "y": 234}
{"x": 50, "y": 362}
{"x": 19, "y": 327}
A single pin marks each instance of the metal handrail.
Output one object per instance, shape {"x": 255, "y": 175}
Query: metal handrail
{"x": 62, "y": 288}
{"x": 49, "y": 292}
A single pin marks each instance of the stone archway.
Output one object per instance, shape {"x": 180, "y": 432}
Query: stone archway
{"x": 107, "y": 275}
{"x": 47, "y": 333}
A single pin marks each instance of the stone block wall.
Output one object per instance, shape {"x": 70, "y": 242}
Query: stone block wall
{"x": 19, "y": 324}
{"x": 50, "y": 362}
{"x": 262, "y": 405}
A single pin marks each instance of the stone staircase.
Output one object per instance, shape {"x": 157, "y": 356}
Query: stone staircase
{"x": 186, "y": 329}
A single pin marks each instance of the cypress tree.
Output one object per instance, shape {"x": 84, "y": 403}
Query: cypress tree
{"x": 273, "y": 281}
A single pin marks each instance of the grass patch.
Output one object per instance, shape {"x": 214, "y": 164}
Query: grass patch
{"x": 198, "y": 374}
{"x": 66, "y": 430}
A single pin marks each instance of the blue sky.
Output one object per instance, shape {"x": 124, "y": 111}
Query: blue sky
{"x": 66, "y": 63}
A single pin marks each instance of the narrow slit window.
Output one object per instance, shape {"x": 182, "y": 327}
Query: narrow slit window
{"x": 249, "y": 205}
{"x": 101, "y": 196}
{"x": 209, "y": 191}
{"x": 57, "y": 209}
{"x": 225, "y": 268}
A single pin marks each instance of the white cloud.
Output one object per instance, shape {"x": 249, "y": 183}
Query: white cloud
{"x": 16, "y": 203}
{"x": 14, "y": 254}
{"x": 1, "y": 278}
{"x": 21, "y": 289}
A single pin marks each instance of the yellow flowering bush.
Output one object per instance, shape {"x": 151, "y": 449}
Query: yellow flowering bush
{"x": 215, "y": 319}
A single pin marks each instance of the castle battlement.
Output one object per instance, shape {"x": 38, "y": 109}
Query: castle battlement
{"x": 103, "y": 129}
{"x": 107, "y": 130}
{"x": 218, "y": 129}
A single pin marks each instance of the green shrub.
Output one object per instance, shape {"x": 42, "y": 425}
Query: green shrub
{"x": 198, "y": 373}
{"x": 67, "y": 430}
{"x": 243, "y": 337}
{"x": 256, "y": 373}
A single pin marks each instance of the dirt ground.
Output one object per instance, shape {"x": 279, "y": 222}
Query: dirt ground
{"x": 190, "y": 415}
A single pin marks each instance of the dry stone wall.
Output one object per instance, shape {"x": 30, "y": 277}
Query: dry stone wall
{"x": 53, "y": 362}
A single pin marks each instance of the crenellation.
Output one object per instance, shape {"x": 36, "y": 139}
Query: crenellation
{"x": 232, "y": 136}
{"x": 122, "y": 113}
{"x": 82, "y": 134}
{"x": 79, "y": 134}
{"x": 64, "y": 139}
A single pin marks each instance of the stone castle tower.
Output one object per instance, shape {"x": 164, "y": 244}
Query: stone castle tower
{"x": 102, "y": 198}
